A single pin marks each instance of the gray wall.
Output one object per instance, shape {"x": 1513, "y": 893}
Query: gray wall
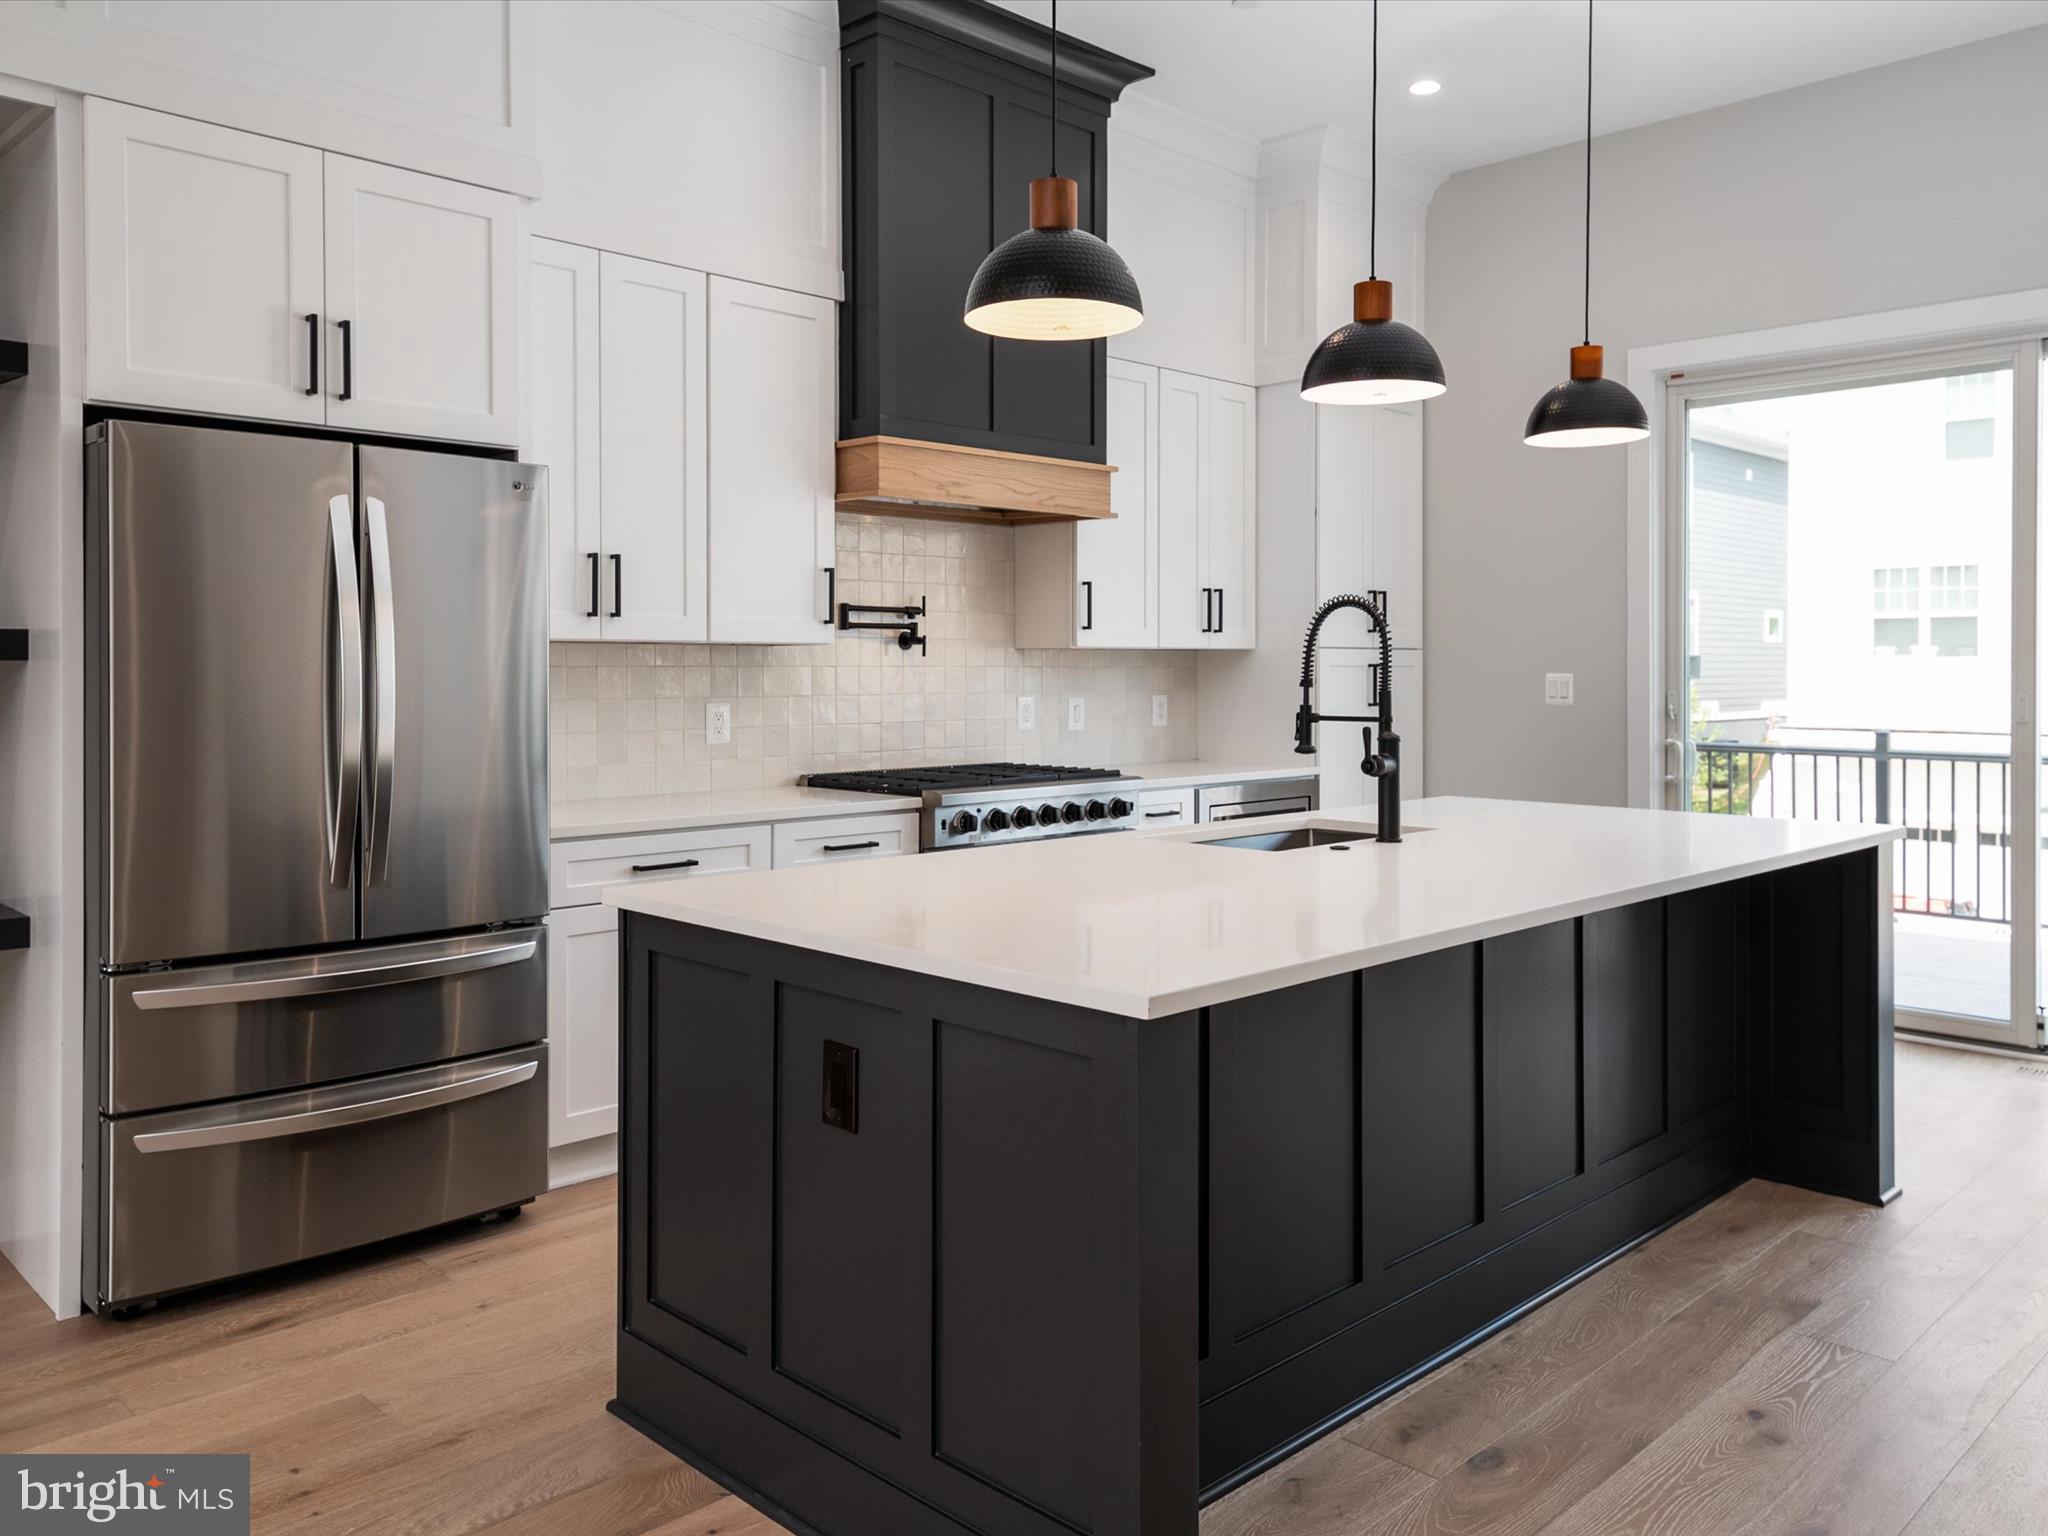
{"x": 1899, "y": 186}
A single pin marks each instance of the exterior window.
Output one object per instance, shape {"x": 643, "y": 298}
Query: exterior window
{"x": 1971, "y": 398}
{"x": 1952, "y": 609}
{"x": 1895, "y": 606}
{"x": 1774, "y": 626}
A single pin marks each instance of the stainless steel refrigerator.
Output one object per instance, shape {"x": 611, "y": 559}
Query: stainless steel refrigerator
{"x": 317, "y": 837}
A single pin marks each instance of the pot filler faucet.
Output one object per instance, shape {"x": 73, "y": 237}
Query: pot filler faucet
{"x": 1385, "y": 764}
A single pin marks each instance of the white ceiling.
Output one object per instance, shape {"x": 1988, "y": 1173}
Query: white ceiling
{"x": 1513, "y": 71}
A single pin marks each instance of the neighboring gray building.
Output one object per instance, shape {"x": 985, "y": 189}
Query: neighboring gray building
{"x": 1737, "y": 628}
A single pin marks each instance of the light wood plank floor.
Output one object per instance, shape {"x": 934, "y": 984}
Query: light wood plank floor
{"x": 1781, "y": 1364}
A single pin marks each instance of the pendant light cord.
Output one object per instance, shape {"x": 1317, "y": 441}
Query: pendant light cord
{"x": 1372, "y": 222}
{"x": 1053, "y": 133}
{"x": 1589, "y": 174}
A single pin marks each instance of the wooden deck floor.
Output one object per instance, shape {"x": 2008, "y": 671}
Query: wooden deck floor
{"x": 1781, "y": 1363}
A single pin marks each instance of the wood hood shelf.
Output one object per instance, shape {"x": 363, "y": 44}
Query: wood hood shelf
{"x": 913, "y": 478}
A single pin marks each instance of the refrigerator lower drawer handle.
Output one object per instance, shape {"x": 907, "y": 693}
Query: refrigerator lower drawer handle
{"x": 341, "y": 1114}
{"x": 311, "y": 983}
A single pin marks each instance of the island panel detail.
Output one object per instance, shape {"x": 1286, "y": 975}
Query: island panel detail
{"x": 1068, "y": 1271}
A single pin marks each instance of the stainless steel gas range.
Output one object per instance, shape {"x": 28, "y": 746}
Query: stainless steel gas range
{"x": 979, "y": 805}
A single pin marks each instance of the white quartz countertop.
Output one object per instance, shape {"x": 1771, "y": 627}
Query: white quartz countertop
{"x": 732, "y": 807}
{"x": 714, "y": 808}
{"x": 1151, "y": 924}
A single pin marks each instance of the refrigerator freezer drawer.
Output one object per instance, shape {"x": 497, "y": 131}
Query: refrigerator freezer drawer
{"x": 198, "y": 1195}
{"x": 226, "y": 1031}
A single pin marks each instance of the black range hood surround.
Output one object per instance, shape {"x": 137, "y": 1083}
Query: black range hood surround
{"x": 944, "y": 106}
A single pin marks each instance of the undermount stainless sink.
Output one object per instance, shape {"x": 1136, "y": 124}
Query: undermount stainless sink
{"x": 1292, "y": 837}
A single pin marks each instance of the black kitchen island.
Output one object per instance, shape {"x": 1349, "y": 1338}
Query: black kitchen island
{"x": 906, "y": 1249}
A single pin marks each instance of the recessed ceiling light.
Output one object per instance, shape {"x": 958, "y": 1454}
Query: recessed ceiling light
{"x": 1425, "y": 87}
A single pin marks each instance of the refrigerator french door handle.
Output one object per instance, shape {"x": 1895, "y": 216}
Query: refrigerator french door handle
{"x": 342, "y": 728}
{"x": 274, "y": 1126}
{"x": 321, "y": 982}
{"x": 383, "y": 753}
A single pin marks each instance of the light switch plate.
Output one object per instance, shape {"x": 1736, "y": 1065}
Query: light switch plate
{"x": 1027, "y": 712}
{"x": 1077, "y": 712}
{"x": 1557, "y": 687}
{"x": 717, "y": 724}
{"x": 1159, "y": 709}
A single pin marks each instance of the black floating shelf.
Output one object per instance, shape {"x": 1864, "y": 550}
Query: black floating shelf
{"x": 13, "y": 929}
{"x": 13, "y": 361}
{"x": 13, "y": 645}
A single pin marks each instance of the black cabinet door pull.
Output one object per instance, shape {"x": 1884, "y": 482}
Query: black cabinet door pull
{"x": 831, "y": 592}
{"x": 618, "y": 588}
{"x": 850, "y": 847}
{"x": 1153, "y": 815}
{"x": 1219, "y": 610}
{"x": 647, "y": 869}
{"x": 348, "y": 361}
{"x": 1088, "y": 592}
{"x": 593, "y": 586}
{"x": 1208, "y": 606}
{"x": 312, "y": 354}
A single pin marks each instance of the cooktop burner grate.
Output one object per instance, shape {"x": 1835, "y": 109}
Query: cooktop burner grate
{"x": 915, "y": 781}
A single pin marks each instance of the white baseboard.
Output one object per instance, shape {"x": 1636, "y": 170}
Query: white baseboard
{"x": 596, "y": 1158}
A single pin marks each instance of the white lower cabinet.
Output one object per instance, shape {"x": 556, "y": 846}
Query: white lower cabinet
{"x": 839, "y": 838}
{"x": 583, "y": 1023}
{"x": 1166, "y": 808}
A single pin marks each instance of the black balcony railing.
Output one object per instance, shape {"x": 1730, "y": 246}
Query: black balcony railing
{"x": 1956, "y": 808}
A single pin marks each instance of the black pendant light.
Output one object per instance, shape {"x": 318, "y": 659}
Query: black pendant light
{"x": 1375, "y": 360}
{"x": 1055, "y": 281}
{"x": 1587, "y": 410}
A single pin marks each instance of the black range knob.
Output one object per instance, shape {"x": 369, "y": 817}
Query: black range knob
{"x": 1097, "y": 810}
{"x": 1119, "y": 808}
{"x": 1048, "y": 815}
{"x": 1022, "y": 817}
{"x": 997, "y": 820}
{"x": 963, "y": 822}
{"x": 1070, "y": 812}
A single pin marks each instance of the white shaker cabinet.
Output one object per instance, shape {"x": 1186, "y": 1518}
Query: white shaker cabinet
{"x": 422, "y": 304}
{"x": 563, "y": 429}
{"x": 1096, "y": 582}
{"x": 654, "y": 356}
{"x": 1345, "y": 685}
{"x": 203, "y": 267}
{"x": 1368, "y": 492}
{"x": 774, "y": 417}
{"x": 237, "y": 275}
{"x": 1208, "y": 522}
{"x": 583, "y": 1035}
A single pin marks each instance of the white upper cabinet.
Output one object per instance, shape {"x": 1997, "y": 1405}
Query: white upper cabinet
{"x": 1369, "y": 517}
{"x": 423, "y": 304}
{"x": 562, "y": 431}
{"x": 1096, "y": 582}
{"x": 242, "y": 276}
{"x": 773, "y": 420}
{"x": 203, "y": 267}
{"x": 654, "y": 353}
{"x": 1208, "y": 513}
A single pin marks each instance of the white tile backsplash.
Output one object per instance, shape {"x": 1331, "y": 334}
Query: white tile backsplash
{"x": 628, "y": 719}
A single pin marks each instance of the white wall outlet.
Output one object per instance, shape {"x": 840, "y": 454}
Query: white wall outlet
{"x": 1159, "y": 709}
{"x": 717, "y": 724}
{"x": 1027, "y": 712}
{"x": 1557, "y": 687}
{"x": 1077, "y": 712}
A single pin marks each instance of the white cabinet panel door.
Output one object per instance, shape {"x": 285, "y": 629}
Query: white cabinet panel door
{"x": 653, "y": 362}
{"x": 1230, "y": 498}
{"x": 583, "y": 1023}
{"x": 774, "y": 422}
{"x": 1116, "y": 559}
{"x": 203, "y": 267}
{"x": 562, "y": 429}
{"x": 422, "y": 304}
{"x": 1369, "y": 516}
{"x": 1344, "y": 686}
{"x": 1186, "y": 601}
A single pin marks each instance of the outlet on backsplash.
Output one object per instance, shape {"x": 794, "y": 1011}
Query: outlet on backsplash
{"x": 717, "y": 724}
{"x": 630, "y": 719}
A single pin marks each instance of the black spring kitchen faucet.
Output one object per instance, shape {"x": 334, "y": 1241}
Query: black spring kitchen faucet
{"x": 1382, "y": 766}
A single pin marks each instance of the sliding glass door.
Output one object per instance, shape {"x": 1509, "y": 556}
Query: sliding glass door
{"x": 1851, "y": 635}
